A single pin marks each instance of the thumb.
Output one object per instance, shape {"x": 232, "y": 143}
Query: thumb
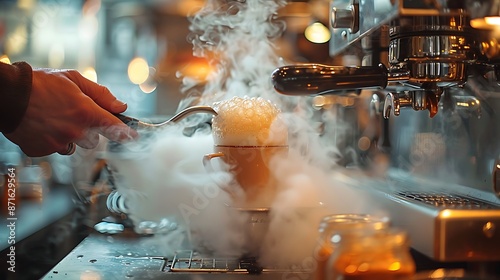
{"x": 111, "y": 127}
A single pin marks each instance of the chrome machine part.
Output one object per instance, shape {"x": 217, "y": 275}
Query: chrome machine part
{"x": 438, "y": 58}
{"x": 426, "y": 52}
{"x": 436, "y": 50}
{"x": 418, "y": 100}
{"x": 308, "y": 79}
{"x": 138, "y": 124}
{"x": 450, "y": 66}
{"x": 346, "y": 18}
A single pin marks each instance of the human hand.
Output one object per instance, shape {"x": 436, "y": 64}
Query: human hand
{"x": 65, "y": 108}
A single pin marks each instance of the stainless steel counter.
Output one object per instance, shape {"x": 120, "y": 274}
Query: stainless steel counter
{"x": 128, "y": 256}
{"x": 32, "y": 216}
{"x": 45, "y": 231}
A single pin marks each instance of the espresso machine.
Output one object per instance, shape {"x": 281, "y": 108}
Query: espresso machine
{"x": 431, "y": 69}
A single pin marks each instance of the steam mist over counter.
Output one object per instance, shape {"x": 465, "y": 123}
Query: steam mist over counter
{"x": 164, "y": 179}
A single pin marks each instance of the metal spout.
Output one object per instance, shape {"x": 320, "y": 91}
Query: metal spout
{"x": 138, "y": 124}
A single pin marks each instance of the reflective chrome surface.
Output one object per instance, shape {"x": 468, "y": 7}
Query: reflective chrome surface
{"x": 127, "y": 256}
{"x": 308, "y": 79}
{"x": 436, "y": 62}
{"x": 135, "y": 123}
{"x": 371, "y": 16}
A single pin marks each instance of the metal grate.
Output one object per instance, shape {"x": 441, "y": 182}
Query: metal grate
{"x": 444, "y": 200}
{"x": 191, "y": 261}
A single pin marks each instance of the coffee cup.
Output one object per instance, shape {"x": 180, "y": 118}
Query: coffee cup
{"x": 249, "y": 137}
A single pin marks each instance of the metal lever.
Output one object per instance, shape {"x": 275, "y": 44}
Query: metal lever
{"x": 310, "y": 79}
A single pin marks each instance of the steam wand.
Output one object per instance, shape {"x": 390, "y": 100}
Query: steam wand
{"x": 310, "y": 79}
{"x": 136, "y": 123}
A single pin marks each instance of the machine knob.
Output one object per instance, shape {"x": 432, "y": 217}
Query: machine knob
{"x": 345, "y": 18}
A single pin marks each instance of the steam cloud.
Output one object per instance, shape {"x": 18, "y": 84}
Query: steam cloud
{"x": 165, "y": 178}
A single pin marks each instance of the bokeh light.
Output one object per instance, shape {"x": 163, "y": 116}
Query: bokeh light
{"x": 5, "y": 59}
{"x": 90, "y": 74}
{"x": 138, "y": 70}
{"x": 317, "y": 33}
{"x": 150, "y": 84}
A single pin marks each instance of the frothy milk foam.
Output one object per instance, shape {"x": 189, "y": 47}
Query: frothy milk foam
{"x": 243, "y": 121}
{"x": 244, "y": 58}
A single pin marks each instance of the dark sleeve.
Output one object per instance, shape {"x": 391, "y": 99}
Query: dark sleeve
{"x": 15, "y": 90}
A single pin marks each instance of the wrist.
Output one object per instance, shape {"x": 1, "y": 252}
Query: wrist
{"x": 15, "y": 90}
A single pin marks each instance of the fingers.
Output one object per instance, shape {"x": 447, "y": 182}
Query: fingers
{"x": 100, "y": 94}
{"x": 89, "y": 141}
{"x": 111, "y": 127}
{"x": 118, "y": 133}
{"x": 101, "y": 119}
{"x": 41, "y": 148}
{"x": 64, "y": 107}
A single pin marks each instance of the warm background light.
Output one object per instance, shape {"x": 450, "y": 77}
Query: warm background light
{"x": 492, "y": 20}
{"x": 317, "y": 33}
{"x": 26, "y": 4}
{"x": 5, "y": 59}
{"x": 197, "y": 69}
{"x": 147, "y": 87}
{"x": 17, "y": 40}
{"x": 138, "y": 70}
{"x": 150, "y": 84}
{"x": 488, "y": 22}
{"x": 56, "y": 56}
{"x": 90, "y": 74}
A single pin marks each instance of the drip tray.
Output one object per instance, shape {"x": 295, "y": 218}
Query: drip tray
{"x": 446, "y": 222}
{"x": 192, "y": 262}
{"x": 446, "y": 200}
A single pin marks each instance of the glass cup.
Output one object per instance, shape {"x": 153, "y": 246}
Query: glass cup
{"x": 452, "y": 274}
{"x": 249, "y": 133}
{"x": 372, "y": 255}
{"x": 333, "y": 227}
{"x": 250, "y": 166}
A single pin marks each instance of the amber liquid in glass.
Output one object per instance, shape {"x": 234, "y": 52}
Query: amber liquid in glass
{"x": 374, "y": 263}
{"x": 341, "y": 224}
{"x": 322, "y": 261}
{"x": 379, "y": 275}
